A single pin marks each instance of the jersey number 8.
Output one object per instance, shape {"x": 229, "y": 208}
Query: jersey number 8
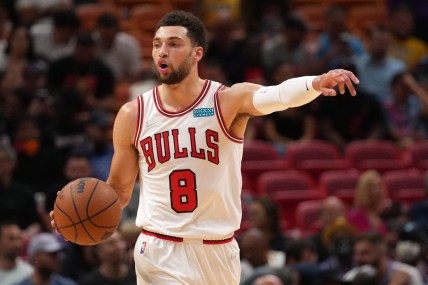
{"x": 182, "y": 184}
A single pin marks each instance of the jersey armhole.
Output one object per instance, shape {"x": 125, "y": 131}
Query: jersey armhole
{"x": 221, "y": 120}
{"x": 139, "y": 124}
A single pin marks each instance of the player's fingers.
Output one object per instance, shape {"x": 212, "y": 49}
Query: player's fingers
{"x": 343, "y": 80}
{"x": 51, "y": 214}
{"x": 350, "y": 86}
{"x": 328, "y": 91}
{"x": 351, "y": 75}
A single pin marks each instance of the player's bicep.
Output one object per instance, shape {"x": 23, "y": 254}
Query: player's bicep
{"x": 242, "y": 95}
{"x": 124, "y": 165}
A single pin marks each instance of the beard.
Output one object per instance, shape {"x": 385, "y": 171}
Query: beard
{"x": 176, "y": 76}
{"x": 46, "y": 271}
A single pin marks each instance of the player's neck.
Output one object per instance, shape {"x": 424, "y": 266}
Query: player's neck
{"x": 176, "y": 97}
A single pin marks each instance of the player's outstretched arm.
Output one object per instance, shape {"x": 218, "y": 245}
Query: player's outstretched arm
{"x": 124, "y": 166}
{"x": 258, "y": 100}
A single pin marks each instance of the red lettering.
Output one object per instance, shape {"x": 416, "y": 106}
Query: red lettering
{"x": 162, "y": 148}
{"x": 177, "y": 152}
{"x": 147, "y": 147}
{"x": 212, "y": 140}
{"x": 194, "y": 152}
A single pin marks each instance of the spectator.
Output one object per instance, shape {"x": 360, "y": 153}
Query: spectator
{"x": 81, "y": 82}
{"x": 404, "y": 45}
{"x": 99, "y": 141}
{"x": 420, "y": 9}
{"x": 290, "y": 47}
{"x": 113, "y": 268}
{"x": 16, "y": 199}
{"x": 369, "y": 201}
{"x": 32, "y": 152}
{"x": 336, "y": 46}
{"x": 418, "y": 211}
{"x": 263, "y": 215}
{"x": 17, "y": 56}
{"x": 370, "y": 249}
{"x": 331, "y": 209}
{"x": 227, "y": 48}
{"x": 119, "y": 51}
{"x": 376, "y": 69}
{"x": 12, "y": 268}
{"x": 256, "y": 254}
{"x": 339, "y": 239}
{"x": 77, "y": 261}
{"x": 58, "y": 40}
{"x": 302, "y": 257}
{"x": 268, "y": 279}
{"x": 276, "y": 276}
{"x": 43, "y": 252}
{"x": 407, "y": 110}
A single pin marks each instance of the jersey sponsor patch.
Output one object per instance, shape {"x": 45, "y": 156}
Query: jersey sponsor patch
{"x": 203, "y": 112}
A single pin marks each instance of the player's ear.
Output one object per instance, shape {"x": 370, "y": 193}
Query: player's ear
{"x": 198, "y": 53}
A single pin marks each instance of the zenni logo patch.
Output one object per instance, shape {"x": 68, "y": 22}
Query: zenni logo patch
{"x": 203, "y": 112}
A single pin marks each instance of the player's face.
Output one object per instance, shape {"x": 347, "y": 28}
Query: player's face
{"x": 173, "y": 54}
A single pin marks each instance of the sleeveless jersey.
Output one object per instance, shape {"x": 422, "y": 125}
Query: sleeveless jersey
{"x": 190, "y": 168}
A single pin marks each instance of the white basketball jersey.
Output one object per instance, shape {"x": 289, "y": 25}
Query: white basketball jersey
{"x": 190, "y": 168}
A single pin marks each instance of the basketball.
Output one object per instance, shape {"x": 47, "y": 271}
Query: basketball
{"x": 87, "y": 211}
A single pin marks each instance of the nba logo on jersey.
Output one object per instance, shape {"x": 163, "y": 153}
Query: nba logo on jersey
{"x": 143, "y": 247}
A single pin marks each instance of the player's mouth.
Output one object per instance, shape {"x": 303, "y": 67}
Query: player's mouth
{"x": 163, "y": 67}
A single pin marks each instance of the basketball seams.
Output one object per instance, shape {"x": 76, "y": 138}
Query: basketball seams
{"x": 77, "y": 212}
{"x": 93, "y": 216}
{"x": 68, "y": 216}
{"x": 78, "y": 204}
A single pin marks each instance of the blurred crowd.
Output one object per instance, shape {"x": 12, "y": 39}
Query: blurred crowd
{"x": 61, "y": 86}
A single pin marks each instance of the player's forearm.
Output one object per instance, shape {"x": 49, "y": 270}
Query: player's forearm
{"x": 290, "y": 93}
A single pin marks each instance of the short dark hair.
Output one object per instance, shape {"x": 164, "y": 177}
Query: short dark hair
{"x": 195, "y": 28}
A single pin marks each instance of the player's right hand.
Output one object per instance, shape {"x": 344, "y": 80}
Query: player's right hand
{"x": 53, "y": 224}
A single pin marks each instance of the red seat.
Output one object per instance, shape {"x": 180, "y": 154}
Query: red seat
{"x": 252, "y": 170}
{"x": 375, "y": 154}
{"x": 315, "y": 157}
{"x": 340, "y": 183}
{"x": 259, "y": 157}
{"x": 287, "y": 189}
{"x": 417, "y": 154}
{"x": 286, "y": 180}
{"x": 406, "y": 186}
{"x": 259, "y": 150}
{"x": 308, "y": 217}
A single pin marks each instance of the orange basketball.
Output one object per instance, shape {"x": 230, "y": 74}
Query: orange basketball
{"x": 87, "y": 211}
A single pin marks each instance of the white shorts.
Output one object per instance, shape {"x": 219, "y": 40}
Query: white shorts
{"x": 164, "y": 260}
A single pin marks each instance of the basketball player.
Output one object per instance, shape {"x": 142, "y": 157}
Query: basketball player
{"x": 185, "y": 140}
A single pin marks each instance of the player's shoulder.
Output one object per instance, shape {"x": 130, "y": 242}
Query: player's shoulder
{"x": 240, "y": 89}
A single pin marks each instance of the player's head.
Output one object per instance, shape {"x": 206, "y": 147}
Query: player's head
{"x": 178, "y": 45}
{"x": 194, "y": 26}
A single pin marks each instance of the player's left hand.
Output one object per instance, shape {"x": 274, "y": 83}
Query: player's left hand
{"x": 341, "y": 78}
